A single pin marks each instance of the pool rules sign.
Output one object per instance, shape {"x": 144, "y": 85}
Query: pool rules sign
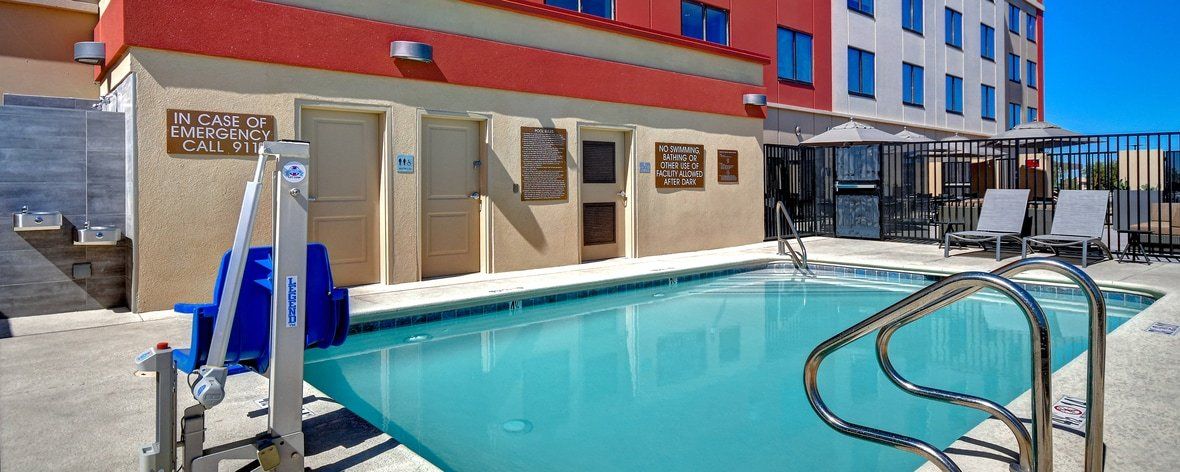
{"x": 680, "y": 165}
{"x": 218, "y": 133}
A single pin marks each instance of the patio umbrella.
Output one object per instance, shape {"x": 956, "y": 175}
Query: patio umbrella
{"x": 912, "y": 137}
{"x": 1035, "y": 134}
{"x": 851, "y": 133}
{"x": 958, "y": 146}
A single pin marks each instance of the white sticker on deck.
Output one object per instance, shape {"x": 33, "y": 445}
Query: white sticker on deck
{"x": 1163, "y": 328}
{"x": 292, "y": 301}
{"x": 1070, "y": 413}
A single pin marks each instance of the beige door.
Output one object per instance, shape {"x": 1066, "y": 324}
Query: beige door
{"x": 450, "y": 166}
{"x": 345, "y": 190}
{"x": 604, "y": 179}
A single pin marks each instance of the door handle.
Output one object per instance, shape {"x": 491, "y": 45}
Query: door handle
{"x": 622, "y": 194}
{"x": 474, "y": 196}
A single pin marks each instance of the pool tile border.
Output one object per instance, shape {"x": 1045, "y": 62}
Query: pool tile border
{"x": 1121, "y": 299}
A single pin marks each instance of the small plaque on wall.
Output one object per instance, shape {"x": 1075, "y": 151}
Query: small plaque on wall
{"x": 680, "y": 165}
{"x": 543, "y": 172}
{"x": 727, "y": 166}
{"x": 217, "y": 133}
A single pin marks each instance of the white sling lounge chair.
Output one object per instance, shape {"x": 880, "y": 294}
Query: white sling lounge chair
{"x": 1002, "y": 217}
{"x": 1078, "y": 220}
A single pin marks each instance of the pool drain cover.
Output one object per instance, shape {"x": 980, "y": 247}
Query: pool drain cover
{"x": 517, "y": 426}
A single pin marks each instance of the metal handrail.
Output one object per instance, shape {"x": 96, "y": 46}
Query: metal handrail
{"x": 908, "y": 307}
{"x": 1096, "y": 372}
{"x": 784, "y": 246}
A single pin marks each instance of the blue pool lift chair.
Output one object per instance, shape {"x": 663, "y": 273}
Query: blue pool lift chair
{"x": 249, "y": 342}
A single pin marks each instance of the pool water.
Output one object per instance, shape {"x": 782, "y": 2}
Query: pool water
{"x": 698, "y": 376}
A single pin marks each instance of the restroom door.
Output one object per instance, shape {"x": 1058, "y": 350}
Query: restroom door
{"x": 450, "y": 197}
{"x": 604, "y": 180}
{"x": 345, "y": 191}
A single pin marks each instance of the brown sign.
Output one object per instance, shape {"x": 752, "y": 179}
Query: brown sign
{"x": 727, "y": 166}
{"x": 217, "y": 133}
{"x": 680, "y": 165}
{"x": 543, "y": 172}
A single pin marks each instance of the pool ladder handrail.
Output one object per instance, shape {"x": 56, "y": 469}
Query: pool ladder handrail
{"x": 1032, "y": 454}
{"x": 1096, "y": 362}
{"x": 784, "y": 246}
{"x": 1041, "y": 366}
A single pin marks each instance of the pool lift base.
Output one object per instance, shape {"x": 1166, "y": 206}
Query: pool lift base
{"x": 279, "y": 357}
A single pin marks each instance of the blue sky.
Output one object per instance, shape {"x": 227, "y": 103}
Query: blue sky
{"x": 1112, "y": 66}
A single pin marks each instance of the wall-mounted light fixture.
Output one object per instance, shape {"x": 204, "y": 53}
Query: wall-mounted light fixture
{"x": 90, "y": 52}
{"x": 411, "y": 51}
{"x": 754, "y": 99}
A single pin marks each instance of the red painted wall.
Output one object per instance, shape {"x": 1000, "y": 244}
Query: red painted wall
{"x": 1041, "y": 63}
{"x": 230, "y": 28}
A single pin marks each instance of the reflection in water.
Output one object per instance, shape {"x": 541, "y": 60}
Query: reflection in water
{"x": 706, "y": 377}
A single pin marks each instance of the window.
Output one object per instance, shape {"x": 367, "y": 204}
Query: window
{"x": 1031, "y": 73}
{"x": 912, "y": 79}
{"x": 1030, "y": 28}
{"x": 911, "y": 15}
{"x": 603, "y": 8}
{"x": 987, "y": 100}
{"x": 1032, "y": 115}
{"x": 1014, "y": 68}
{"x": 860, "y": 72}
{"x": 1014, "y": 18}
{"x": 863, "y": 6}
{"x": 794, "y": 55}
{"x": 1013, "y": 115}
{"x": 705, "y": 22}
{"x": 954, "y": 28}
{"x": 987, "y": 42}
{"x": 954, "y": 94}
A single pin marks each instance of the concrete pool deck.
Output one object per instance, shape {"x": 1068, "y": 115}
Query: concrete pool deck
{"x": 68, "y": 399}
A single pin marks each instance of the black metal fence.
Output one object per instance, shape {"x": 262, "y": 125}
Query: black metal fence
{"x": 928, "y": 188}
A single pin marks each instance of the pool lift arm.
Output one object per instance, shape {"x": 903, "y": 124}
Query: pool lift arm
{"x": 281, "y": 447}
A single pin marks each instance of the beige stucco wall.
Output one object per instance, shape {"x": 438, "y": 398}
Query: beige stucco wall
{"x": 187, "y": 206}
{"x": 37, "y": 51}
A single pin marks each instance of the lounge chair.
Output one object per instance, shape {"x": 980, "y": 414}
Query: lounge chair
{"x": 1078, "y": 220}
{"x": 1002, "y": 217}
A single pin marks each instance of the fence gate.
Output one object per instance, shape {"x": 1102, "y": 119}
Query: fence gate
{"x": 795, "y": 176}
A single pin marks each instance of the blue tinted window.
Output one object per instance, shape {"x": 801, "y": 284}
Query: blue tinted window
{"x": 692, "y": 20}
{"x": 1014, "y": 18}
{"x": 1031, "y": 28}
{"x": 1032, "y": 115}
{"x": 603, "y": 8}
{"x": 1013, "y": 115}
{"x": 1013, "y": 67}
{"x": 794, "y": 55}
{"x": 863, "y": 6}
{"x": 716, "y": 25}
{"x": 911, "y": 15}
{"x": 954, "y": 94}
{"x": 987, "y": 42}
{"x": 987, "y": 100}
{"x": 704, "y": 22}
{"x": 912, "y": 80}
{"x": 860, "y": 72}
{"x": 954, "y": 28}
{"x": 1031, "y": 74}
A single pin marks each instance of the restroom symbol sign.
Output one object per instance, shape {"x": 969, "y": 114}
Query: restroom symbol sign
{"x": 405, "y": 163}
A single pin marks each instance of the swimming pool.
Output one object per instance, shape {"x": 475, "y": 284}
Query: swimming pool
{"x": 694, "y": 373}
